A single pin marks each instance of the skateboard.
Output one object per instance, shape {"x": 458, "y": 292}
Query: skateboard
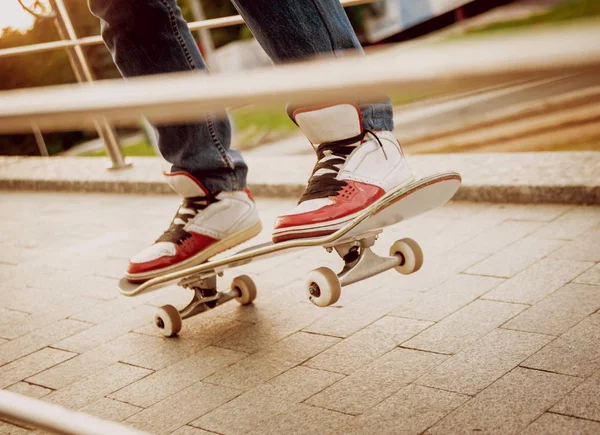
{"x": 352, "y": 243}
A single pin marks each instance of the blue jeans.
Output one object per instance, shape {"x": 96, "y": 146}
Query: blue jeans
{"x": 150, "y": 37}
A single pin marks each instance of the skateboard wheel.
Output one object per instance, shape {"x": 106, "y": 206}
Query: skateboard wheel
{"x": 410, "y": 254}
{"x": 168, "y": 320}
{"x": 246, "y": 288}
{"x": 323, "y": 287}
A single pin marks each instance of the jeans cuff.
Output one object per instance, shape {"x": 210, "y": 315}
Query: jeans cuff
{"x": 223, "y": 180}
{"x": 378, "y": 116}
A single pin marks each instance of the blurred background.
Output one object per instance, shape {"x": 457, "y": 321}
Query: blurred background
{"x": 528, "y": 115}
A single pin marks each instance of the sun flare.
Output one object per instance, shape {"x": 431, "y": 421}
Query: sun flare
{"x": 13, "y": 15}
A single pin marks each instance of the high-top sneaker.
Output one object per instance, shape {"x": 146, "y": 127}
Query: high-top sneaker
{"x": 205, "y": 225}
{"x": 355, "y": 167}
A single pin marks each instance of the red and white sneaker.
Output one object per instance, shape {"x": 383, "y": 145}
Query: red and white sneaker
{"x": 355, "y": 168}
{"x": 205, "y": 225}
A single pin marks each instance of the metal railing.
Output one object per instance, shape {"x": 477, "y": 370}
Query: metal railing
{"x": 83, "y": 73}
{"x": 419, "y": 68}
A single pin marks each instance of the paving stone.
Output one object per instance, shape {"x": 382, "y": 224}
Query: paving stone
{"x": 39, "y": 339}
{"x": 31, "y": 364}
{"x": 584, "y": 248}
{"x": 105, "y": 311}
{"x": 301, "y": 346}
{"x": 11, "y": 429}
{"x": 457, "y": 233}
{"x": 189, "y": 430}
{"x": 272, "y": 361}
{"x": 199, "y": 332}
{"x": 303, "y": 419}
{"x": 111, "y": 410}
{"x": 375, "y": 382}
{"x": 526, "y": 212}
{"x": 592, "y": 276}
{"x": 447, "y": 297}
{"x": 555, "y": 424}
{"x": 572, "y": 224}
{"x": 103, "y": 333}
{"x": 560, "y": 311}
{"x": 583, "y": 402}
{"x": 488, "y": 359}
{"x": 500, "y": 236}
{"x": 30, "y": 390}
{"x": 11, "y": 316}
{"x": 574, "y": 353}
{"x": 464, "y": 327}
{"x": 96, "y": 386}
{"x": 508, "y": 405}
{"x": 181, "y": 408}
{"x": 345, "y": 321}
{"x": 516, "y": 257}
{"x": 259, "y": 336}
{"x": 256, "y": 406}
{"x": 440, "y": 268}
{"x": 53, "y": 313}
{"x": 538, "y": 281}
{"x": 163, "y": 383}
{"x": 410, "y": 411}
{"x": 367, "y": 345}
{"x": 87, "y": 364}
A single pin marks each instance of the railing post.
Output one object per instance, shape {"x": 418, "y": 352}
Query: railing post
{"x": 83, "y": 73}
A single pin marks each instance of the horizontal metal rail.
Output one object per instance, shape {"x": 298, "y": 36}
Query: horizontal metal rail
{"x": 182, "y": 97}
{"x": 57, "y": 419}
{"x": 214, "y": 23}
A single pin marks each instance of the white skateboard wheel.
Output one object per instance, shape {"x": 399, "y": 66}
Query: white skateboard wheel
{"x": 246, "y": 288}
{"x": 323, "y": 287}
{"x": 168, "y": 320}
{"x": 410, "y": 255}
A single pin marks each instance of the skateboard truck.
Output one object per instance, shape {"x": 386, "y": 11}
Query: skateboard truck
{"x": 323, "y": 286}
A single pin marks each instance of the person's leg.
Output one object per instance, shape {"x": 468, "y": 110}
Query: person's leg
{"x": 150, "y": 37}
{"x": 290, "y": 30}
{"x": 359, "y": 161}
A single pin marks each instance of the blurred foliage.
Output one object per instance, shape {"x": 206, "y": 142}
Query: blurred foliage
{"x": 53, "y": 67}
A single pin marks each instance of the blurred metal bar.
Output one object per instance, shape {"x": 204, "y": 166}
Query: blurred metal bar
{"x": 39, "y": 140}
{"x": 57, "y": 419}
{"x": 206, "y": 41}
{"x": 83, "y": 73}
{"x": 214, "y": 23}
{"x": 184, "y": 97}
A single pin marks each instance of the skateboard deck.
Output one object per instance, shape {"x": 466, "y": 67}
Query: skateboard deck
{"x": 415, "y": 199}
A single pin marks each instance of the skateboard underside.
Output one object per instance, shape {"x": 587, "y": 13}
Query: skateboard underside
{"x": 352, "y": 243}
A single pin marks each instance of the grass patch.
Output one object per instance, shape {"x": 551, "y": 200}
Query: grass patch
{"x": 568, "y": 11}
{"x": 141, "y": 148}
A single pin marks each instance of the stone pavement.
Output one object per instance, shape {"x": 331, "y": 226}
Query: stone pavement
{"x": 498, "y": 333}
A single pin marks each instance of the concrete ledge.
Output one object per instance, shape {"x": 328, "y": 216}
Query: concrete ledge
{"x": 564, "y": 177}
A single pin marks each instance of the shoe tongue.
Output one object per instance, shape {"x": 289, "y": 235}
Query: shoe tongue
{"x": 329, "y": 124}
{"x": 185, "y": 185}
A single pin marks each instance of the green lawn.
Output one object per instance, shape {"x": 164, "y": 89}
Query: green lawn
{"x": 560, "y": 13}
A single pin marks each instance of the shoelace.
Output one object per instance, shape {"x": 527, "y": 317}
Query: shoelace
{"x": 330, "y": 158}
{"x": 187, "y": 210}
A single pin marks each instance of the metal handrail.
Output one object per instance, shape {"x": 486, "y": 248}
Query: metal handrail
{"x": 57, "y": 419}
{"x": 182, "y": 97}
{"x": 214, "y": 23}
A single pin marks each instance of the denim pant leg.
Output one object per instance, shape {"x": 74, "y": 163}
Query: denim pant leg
{"x": 295, "y": 29}
{"x": 150, "y": 37}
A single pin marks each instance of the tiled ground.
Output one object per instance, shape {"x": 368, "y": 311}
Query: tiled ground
{"x": 498, "y": 333}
